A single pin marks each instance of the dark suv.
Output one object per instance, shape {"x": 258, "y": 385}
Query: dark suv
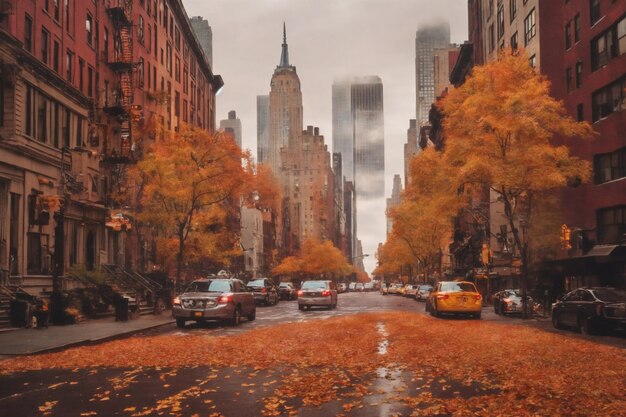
{"x": 591, "y": 310}
{"x": 265, "y": 291}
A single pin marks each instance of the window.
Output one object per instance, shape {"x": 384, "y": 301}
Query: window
{"x": 89, "y": 28}
{"x": 81, "y": 66}
{"x": 177, "y": 69}
{"x": 609, "y": 166}
{"x": 67, "y": 15}
{"x": 177, "y": 104}
{"x": 500, "y": 19}
{"x": 56, "y": 10}
{"x": 168, "y": 58}
{"x": 164, "y": 22}
{"x": 28, "y": 112}
{"x": 579, "y": 73}
{"x": 530, "y": 29}
{"x": 609, "y": 45}
{"x": 580, "y": 113}
{"x": 532, "y": 61}
{"x": 611, "y": 224}
{"x": 55, "y": 56}
{"x": 149, "y": 43}
{"x": 568, "y": 35}
{"x": 577, "y": 28}
{"x": 514, "y": 44}
{"x": 90, "y": 81}
{"x": 512, "y": 9}
{"x": 140, "y": 72}
{"x": 594, "y": 6}
{"x": 185, "y": 111}
{"x": 42, "y": 112}
{"x": 608, "y": 100}
{"x": 140, "y": 30}
{"x": 45, "y": 46}
{"x": 568, "y": 79}
{"x": 38, "y": 254}
{"x": 28, "y": 33}
{"x": 69, "y": 62}
{"x": 177, "y": 39}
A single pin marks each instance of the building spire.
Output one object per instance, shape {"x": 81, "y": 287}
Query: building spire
{"x": 284, "y": 56}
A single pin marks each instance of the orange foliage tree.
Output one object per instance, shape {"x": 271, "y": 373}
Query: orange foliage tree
{"x": 315, "y": 259}
{"x": 183, "y": 185}
{"x": 499, "y": 126}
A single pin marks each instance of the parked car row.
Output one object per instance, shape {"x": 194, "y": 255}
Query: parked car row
{"x": 419, "y": 292}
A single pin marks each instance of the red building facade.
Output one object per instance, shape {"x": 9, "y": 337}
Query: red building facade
{"x": 78, "y": 81}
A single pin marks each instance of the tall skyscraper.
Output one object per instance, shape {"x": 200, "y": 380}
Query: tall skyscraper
{"x": 358, "y": 133}
{"x": 285, "y": 107}
{"x": 411, "y": 148}
{"x": 205, "y": 36}
{"x": 232, "y": 124}
{"x": 262, "y": 128}
{"x": 427, "y": 39}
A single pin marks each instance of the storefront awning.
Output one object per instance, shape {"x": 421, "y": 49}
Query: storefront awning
{"x": 601, "y": 251}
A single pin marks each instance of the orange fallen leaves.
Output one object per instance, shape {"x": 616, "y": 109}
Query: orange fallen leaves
{"x": 513, "y": 370}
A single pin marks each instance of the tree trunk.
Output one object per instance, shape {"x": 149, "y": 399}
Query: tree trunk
{"x": 523, "y": 248}
{"x": 179, "y": 258}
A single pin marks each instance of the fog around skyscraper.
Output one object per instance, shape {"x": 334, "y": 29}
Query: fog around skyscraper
{"x": 327, "y": 39}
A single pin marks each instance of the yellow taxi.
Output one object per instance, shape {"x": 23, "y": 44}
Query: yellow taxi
{"x": 458, "y": 297}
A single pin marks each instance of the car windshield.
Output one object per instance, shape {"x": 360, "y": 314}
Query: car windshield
{"x": 209, "y": 286}
{"x": 513, "y": 293}
{"x": 313, "y": 284}
{"x": 256, "y": 283}
{"x": 610, "y": 294}
{"x": 285, "y": 284}
{"x": 458, "y": 286}
{"x": 425, "y": 287}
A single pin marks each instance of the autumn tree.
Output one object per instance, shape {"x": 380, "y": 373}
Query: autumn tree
{"x": 499, "y": 127}
{"x": 315, "y": 259}
{"x": 422, "y": 223}
{"x": 182, "y": 185}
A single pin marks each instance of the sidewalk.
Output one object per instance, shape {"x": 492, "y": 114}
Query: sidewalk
{"x": 54, "y": 338}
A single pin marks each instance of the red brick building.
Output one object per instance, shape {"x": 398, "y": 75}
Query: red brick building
{"x": 586, "y": 64}
{"x": 78, "y": 79}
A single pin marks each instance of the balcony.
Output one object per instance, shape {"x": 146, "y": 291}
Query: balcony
{"x": 120, "y": 11}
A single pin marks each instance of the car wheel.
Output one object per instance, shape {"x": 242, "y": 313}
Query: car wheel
{"x": 252, "y": 315}
{"x": 236, "y": 317}
{"x": 556, "y": 321}
{"x": 180, "y": 323}
{"x": 585, "y": 326}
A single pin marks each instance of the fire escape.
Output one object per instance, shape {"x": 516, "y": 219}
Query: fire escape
{"x": 121, "y": 62}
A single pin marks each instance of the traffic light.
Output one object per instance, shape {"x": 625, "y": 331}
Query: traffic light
{"x": 485, "y": 254}
{"x": 566, "y": 235}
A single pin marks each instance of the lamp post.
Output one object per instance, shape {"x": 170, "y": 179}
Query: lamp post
{"x": 59, "y": 250}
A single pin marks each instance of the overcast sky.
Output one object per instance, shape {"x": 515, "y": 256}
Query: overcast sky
{"x": 327, "y": 39}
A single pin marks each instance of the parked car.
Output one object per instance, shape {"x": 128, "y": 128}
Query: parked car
{"x": 455, "y": 297}
{"x": 410, "y": 290}
{"x": 214, "y": 299}
{"x": 423, "y": 291}
{"x": 317, "y": 293}
{"x": 591, "y": 310}
{"x": 265, "y": 291}
{"x": 510, "y": 301}
{"x": 384, "y": 289}
{"x": 368, "y": 286}
{"x": 352, "y": 286}
{"x": 359, "y": 287}
{"x": 286, "y": 291}
{"x": 394, "y": 288}
{"x": 342, "y": 287}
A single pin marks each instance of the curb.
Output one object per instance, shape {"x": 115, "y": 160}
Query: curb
{"x": 87, "y": 342}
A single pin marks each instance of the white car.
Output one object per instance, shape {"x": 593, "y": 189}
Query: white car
{"x": 352, "y": 286}
{"x": 368, "y": 286}
{"x": 410, "y": 290}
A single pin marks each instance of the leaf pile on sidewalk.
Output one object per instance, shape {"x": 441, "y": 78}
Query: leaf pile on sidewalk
{"x": 507, "y": 369}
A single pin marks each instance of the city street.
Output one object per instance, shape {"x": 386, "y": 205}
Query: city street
{"x": 373, "y": 356}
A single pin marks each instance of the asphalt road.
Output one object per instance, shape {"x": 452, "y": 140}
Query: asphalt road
{"x": 354, "y": 303}
{"x": 235, "y": 392}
